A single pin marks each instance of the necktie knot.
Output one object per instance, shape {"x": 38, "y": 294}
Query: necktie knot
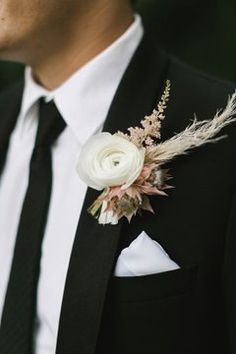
{"x": 51, "y": 124}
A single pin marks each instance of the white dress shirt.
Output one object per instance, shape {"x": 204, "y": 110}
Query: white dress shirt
{"x": 83, "y": 101}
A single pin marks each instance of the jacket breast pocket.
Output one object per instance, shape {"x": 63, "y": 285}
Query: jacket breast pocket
{"x": 155, "y": 286}
{"x": 153, "y": 314}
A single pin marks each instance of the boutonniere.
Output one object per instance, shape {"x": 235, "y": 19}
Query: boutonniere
{"x": 128, "y": 167}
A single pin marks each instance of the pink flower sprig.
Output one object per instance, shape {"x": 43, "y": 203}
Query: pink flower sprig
{"x": 151, "y": 125}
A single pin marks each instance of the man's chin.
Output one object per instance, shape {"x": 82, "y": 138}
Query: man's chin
{"x": 5, "y": 48}
{"x": 9, "y": 53}
{"x": 6, "y": 56}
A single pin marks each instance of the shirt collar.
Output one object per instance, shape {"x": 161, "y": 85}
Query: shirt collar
{"x": 84, "y": 99}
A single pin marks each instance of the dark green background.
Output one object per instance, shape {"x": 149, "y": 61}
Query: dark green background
{"x": 200, "y": 32}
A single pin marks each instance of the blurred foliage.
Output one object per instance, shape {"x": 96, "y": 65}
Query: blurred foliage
{"x": 200, "y": 32}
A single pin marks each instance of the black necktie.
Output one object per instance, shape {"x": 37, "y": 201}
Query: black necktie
{"x": 17, "y": 325}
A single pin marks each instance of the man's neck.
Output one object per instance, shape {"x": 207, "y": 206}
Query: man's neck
{"x": 85, "y": 39}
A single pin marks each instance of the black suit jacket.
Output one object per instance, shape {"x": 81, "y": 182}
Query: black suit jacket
{"x": 188, "y": 311}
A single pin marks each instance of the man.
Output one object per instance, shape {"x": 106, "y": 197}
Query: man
{"x": 91, "y": 66}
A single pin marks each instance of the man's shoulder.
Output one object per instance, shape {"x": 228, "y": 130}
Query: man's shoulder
{"x": 200, "y": 92}
{"x": 196, "y": 94}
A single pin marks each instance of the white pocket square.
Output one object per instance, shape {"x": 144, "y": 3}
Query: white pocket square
{"x": 144, "y": 256}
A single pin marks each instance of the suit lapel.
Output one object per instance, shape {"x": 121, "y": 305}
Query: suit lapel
{"x": 95, "y": 247}
{"x": 10, "y": 102}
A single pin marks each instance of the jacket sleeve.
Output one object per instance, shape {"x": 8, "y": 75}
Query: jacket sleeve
{"x": 229, "y": 278}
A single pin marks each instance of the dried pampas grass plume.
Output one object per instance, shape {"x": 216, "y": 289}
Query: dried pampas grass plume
{"x": 196, "y": 134}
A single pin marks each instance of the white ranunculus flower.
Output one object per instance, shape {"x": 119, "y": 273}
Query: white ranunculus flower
{"x": 109, "y": 160}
